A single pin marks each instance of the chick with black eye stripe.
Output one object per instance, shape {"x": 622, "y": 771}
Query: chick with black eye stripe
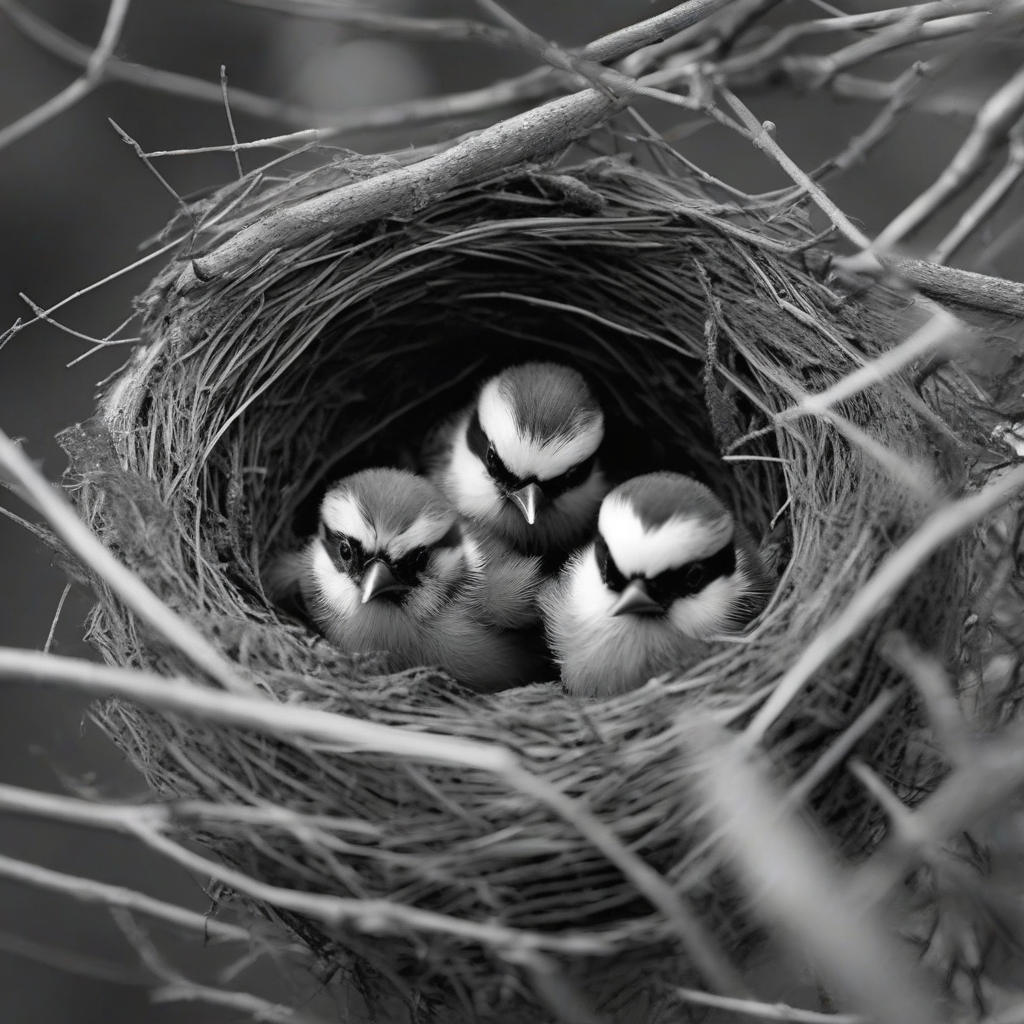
{"x": 521, "y": 463}
{"x": 668, "y": 572}
{"x": 391, "y": 571}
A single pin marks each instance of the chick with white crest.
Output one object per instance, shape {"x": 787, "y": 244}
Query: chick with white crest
{"x": 521, "y": 463}
{"x": 668, "y": 571}
{"x": 391, "y": 571}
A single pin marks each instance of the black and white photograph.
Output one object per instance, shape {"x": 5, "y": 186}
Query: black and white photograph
{"x": 511, "y": 512}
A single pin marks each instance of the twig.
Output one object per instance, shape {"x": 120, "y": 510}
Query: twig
{"x": 84, "y": 543}
{"x": 265, "y": 716}
{"x": 144, "y": 823}
{"x": 536, "y": 134}
{"x": 71, "y": 962}
{"x": 1002, "y": 109}
{"x": 82, "y": 86}
{"x": 940, "y": 331}
{"x": 928, "y": 676}
{"x": 960, "y": 287}
{"x": 838, "y": 751}
{"x": 353, "y": 733}
{"x": 88, "y": 891}
{"x": 378, "y": 23}
{"x": 938, "y": 529}
{"x": 906, "y": 89}
{"x": 532, "y": 85}
{"x": 177, "y": 988}
{"x": 56, "y": 618}
{"x": 764, "y": 141}
{"x": 995, "y": 192}
{"x": 795, "y": 881}
{"x": 231, "y": 122}
{"x": 766, "y": 1011}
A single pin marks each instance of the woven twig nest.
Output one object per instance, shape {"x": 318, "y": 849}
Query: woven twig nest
{"x": 697, "y": 323}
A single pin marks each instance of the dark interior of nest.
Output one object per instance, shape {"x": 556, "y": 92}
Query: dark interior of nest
{"x": 694, "y": 325}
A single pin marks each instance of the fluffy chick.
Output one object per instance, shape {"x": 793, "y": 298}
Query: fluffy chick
{"x": 521, "y": 462}
{"x": 390, "y": 570}
{"x": 668, "y": 571}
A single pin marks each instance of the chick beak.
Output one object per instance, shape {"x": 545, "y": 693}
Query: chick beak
{"x": 530, "y": 500}
{"x": 636, "y": 601}
{"x": 379, "y": 579}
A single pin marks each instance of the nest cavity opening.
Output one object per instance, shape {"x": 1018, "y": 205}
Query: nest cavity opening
{"x": 697, "y": 324}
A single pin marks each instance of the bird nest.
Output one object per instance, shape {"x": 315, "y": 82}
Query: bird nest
{"x": 699, "y": 325}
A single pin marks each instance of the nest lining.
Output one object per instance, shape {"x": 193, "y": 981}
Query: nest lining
{"x": 696, "y": 323}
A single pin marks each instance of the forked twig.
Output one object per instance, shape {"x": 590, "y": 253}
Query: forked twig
{"x": 95, "y": 67}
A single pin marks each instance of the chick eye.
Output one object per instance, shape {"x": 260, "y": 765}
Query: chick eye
{"x": 344, "y": 550}
{"x": 419, "y": 560}
{"x": 695, "y": 577}
{"x": 492, "y": 460}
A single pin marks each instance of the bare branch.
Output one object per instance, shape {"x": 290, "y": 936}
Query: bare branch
{"x": 178, "y": 988}
{"x": 838, "y": 751}
{"x": 764, "y": 141}
{"x": 796, "y": 883}
{"x": 879, "y": 591}
{"x": 999, "y": 113}
{"x": 536, "y": 134}
{"x": 960, "y": 287}
{"x": 377, "y": 23}
{"x": 95, "y": 67}
{"x": 352, "y": 733}
{"x": 87, "y": 546}
{"x": 56, "y": 618}
{"x": 766, "y": 1011}
{"x": 264, "y": 715}
{"x": 144, "y": 823}
{"x": 88, "y": 891}
{"x": 996, "y": 191}
{"x": 933, "y": 684}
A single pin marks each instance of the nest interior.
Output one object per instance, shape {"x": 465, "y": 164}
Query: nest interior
{"x": 698, "y": 323}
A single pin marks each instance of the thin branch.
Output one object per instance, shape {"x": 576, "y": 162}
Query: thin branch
{"x": 71, "y": 962}
{"x": 906, "y": 90}
{"x": 834, "y": 756}
{"x": 87, "y": 546}
{"x": 95, "y": 67}
{"x": 794, "y": 881}
{"x": 959, "y": 287}
{"x": 56, "y": 618}
{"x": 762, "y": 138}
{"x": 177, "y": 988}
{"x": 999, "y": 113}
{"x": 996, "y": 191}
{"x": 89, "y": 891}
{"x": 936, "y": 689}
{"x": 536, "y": 134}
{"x": 289, "y": 720}
{"x": 766, "y": 1011}
{"x": 264, "y": 715}
{"x": 231, "y": 122}
{"x": 940, "y": 333}
{"x": 144, "y": 823}
{"x": 875, "y": 596}
{"x": 377, "y": 23}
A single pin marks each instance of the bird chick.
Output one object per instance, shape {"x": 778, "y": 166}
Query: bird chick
{"x": 521, "y": 462}
{"x": 391, "y": 571}
{"x": 668, "y": 571}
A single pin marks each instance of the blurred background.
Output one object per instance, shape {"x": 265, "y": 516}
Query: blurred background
{"x": 75, "y": 206}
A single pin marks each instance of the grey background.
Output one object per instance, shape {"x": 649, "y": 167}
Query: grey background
{"x": 75, "y": 204}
